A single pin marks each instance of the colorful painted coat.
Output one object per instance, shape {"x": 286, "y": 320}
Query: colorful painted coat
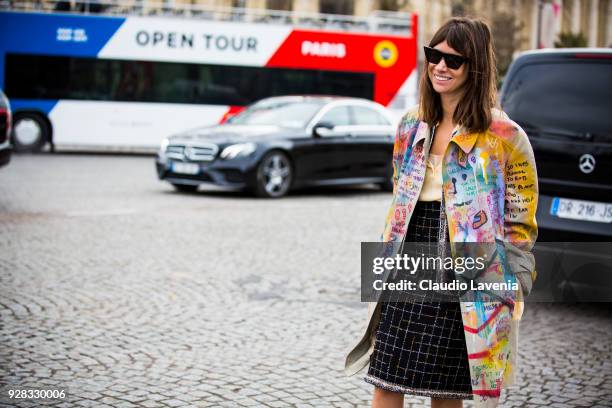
{"x": 490, "y": 194}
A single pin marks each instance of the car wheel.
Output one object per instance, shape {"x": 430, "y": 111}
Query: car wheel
{"x": 185, "y": 188}
{"x": 564, "y": 292}
{"x": 388, "y": 184}
{"x": 274, "y": 175}
{"x": 30, "y": 132}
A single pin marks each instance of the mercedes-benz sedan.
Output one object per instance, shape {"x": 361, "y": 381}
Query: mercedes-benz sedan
{"x": 282, "y": 143}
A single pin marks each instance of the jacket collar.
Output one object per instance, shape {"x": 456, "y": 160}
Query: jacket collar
{"x": 464, "y": 139}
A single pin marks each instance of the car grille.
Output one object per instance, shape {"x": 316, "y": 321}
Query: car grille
{"x": 192, "y": 152}
{"x": 196, "y": 177}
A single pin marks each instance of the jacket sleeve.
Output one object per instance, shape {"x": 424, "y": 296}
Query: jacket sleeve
{"x": 400, "y": 143}
{"x": 396, "y": 159}
{"x": 521, "y": 201}
{"x": 396, "y": 166}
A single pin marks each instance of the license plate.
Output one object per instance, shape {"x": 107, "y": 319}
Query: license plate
{"x": 185, "y": 168}
{"x": 581, "y": 210}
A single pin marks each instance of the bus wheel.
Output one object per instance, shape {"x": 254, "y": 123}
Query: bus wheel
{"x": 30, "y": 132}
{"x": 274, "y": 175}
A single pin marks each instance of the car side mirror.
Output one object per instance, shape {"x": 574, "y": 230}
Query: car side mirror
{"x": 322, "y": 129}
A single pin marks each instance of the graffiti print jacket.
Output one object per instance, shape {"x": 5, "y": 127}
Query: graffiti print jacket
{"x": 490, "y": 195}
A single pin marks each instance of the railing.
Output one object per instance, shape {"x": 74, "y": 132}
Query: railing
{"x": 378, "y": 21}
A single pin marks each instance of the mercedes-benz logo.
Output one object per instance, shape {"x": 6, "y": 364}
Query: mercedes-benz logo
{"x": 187, "y": 152}
{"x": 586, "y": 163}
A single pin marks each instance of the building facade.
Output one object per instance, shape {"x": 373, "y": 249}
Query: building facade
{"x": 532, "y": 20}
{"x": 517, "y": 25}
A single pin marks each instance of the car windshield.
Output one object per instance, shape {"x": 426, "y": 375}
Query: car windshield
{"x": 290, "y": 114}
{"x": 568, "y": 100}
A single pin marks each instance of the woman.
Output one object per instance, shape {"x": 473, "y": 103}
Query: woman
{"x": 463, "y": 172}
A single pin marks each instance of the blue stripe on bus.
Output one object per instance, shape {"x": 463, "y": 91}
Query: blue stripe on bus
{"x": 42, "y": 105}
{"x": 56, "y": 34}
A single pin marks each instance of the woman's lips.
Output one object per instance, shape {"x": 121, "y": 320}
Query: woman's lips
{"x": 441, "y": 78}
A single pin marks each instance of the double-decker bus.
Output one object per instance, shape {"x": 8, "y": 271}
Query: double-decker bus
{"x": 124, "y": 82}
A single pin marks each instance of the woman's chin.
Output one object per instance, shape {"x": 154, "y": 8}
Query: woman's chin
{"x": 444, "y": 90}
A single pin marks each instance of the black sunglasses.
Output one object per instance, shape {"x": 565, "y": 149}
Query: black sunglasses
{"x": 452, "y": 61}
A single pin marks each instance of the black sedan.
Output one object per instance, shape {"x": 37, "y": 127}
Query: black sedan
{"x": 282, "y": 143}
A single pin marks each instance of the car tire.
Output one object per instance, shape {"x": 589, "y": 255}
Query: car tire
{"x": 185, "y": 188}
{"x": 30, "y": 132}
{"x": 273, "y": 176}
{"x": 388, "y": 184}
{"x": 564, "y": 292}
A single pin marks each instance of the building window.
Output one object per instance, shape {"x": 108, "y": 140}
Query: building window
{"x": 346, "y": 7}
{"x": 390, "y": 5}
{"x": 94, "y": 79}
{"x": 284, "y": 5}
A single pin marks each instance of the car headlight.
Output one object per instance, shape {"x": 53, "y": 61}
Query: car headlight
{"x": 240, "y": 149}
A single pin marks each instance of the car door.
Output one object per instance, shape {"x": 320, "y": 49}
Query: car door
{"x": 322, "y": 158}
{"x": 370, "y": 147}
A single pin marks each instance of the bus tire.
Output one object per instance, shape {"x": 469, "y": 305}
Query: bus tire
{"x": 31, "y": 132}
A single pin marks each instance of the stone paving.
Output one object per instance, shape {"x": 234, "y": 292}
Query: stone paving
{"x": 129, "y": 294}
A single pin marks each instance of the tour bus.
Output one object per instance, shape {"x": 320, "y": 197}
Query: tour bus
{"x": 103, "y": 81}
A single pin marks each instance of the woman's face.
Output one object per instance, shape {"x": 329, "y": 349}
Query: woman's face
{"x": 446, "y": 81}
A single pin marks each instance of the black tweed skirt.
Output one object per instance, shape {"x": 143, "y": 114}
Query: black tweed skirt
{"x": 420, "y": 346}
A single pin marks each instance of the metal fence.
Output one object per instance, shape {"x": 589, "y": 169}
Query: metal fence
{"x": 378, "y": 21}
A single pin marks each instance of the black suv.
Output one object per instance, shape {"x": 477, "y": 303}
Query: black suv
{"x": 5, "y": 130}
{"x": 561, "y": 98}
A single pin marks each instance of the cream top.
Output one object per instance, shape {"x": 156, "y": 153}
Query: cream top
{"x": 432, "y": 184}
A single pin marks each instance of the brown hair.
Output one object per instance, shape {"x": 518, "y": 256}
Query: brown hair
{"x": 472, "y": 39}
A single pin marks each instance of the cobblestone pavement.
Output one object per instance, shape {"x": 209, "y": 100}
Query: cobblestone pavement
{"x": 132, "y": 295}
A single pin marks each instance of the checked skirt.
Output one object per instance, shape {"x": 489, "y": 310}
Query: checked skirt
{"x": 420, "y": 346}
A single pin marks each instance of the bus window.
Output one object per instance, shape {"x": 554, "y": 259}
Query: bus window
{"x": 52, "y": 77}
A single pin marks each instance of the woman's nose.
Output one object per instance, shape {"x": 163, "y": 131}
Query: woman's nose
{"x": 442, "y": 64}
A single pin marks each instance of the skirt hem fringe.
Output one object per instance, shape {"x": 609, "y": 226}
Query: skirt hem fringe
{"x": 415, "y": 391}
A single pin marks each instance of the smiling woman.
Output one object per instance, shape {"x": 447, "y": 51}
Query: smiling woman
{"x": 464, "y": 349}
{"x": 445, "y": 69}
